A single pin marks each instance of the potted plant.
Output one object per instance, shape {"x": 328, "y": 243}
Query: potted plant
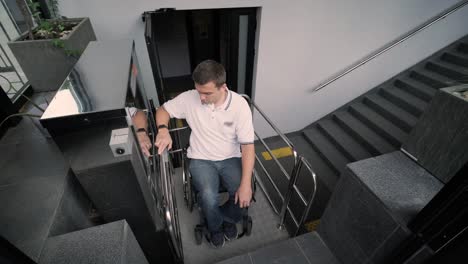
{"x": 48, "y": 52}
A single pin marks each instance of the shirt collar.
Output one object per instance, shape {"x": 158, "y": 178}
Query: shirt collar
{"x": 227, "y": 102}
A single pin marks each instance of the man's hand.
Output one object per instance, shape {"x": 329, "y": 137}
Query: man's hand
{"x": 163, "y": 140}
{"x": 244, "y": 195}
{"x": 145, "y": 143}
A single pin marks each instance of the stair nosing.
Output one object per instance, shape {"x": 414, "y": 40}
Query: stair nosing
{"x": 323, "y": 151}
{"x": 394, "y": 111}
{"x": 450, "y": 67}
{"x": 441, "y": 79}
{"x": 374, "y": 148}
{"x": 415, "y": 105}
{"x": 392, "y": 132}
{"x": 353, "y": 153}
{"x": 420, "y": 89}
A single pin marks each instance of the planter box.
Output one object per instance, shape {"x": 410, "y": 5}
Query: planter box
{"x": 45, "y": 65}
{"x": 439, "y": 141}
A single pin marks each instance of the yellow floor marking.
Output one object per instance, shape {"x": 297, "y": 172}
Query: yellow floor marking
{"x": 179, "y": 123}
{"x": 312, "y": 225}
{"x": 278, "y": 153}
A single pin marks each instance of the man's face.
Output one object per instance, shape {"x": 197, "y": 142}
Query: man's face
{"x": 209, "y": 93}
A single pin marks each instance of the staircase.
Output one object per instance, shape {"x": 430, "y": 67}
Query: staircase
{"x": 373, "y": 124}
{"x": 366, "y": 218}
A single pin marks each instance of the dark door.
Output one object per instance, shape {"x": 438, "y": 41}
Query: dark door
{"x": 237, "y": 47}
{"x": 227, "y": 36}
{"x": 151, "y": 44}
{"x": 178, "y": 40}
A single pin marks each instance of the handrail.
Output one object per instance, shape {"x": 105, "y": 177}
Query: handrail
{"x": 269, "y": 121}
{"x": 280, "y": 134}
{"x": 169, "y": 204}
{"x": 312, "y": 197}
{"x": 299, "y": 161}
{"x": 392, "y": 44}
{"x": 294, "y": 173}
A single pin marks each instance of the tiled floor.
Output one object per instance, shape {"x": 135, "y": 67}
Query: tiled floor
{"x": 264, "y": 231}
{"x": 305, "y": 249}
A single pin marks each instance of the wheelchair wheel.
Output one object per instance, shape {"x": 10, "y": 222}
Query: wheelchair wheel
{"x": 198, "y": 234}
{"x": 188, "y": 191}
{"x": 190, "y": 200}
{"x": 246, "y": 226}
{"x": 248, "y": 230}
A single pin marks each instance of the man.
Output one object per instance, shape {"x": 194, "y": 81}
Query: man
{"x": 221, "y": 146}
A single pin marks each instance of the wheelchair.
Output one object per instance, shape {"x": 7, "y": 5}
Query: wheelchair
{"x": 190, "y": 198}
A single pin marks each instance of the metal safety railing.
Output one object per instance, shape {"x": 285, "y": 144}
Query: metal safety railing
{"x": 392, "y": 44}
{"x": 163, "y": 187}
{"x": 169, "y": 203}
{"x": 9, "y": 29}
{"x": 299, "y": 162}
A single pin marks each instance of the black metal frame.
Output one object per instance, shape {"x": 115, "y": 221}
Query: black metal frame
{"x": 441, "y": 222}
{"x": 11, "y": 254}
{"x": 233, "y": 55}
{"x": 154, "y": 53}
{"x": 231, "y": 67}
{"x": 9, "y": 106}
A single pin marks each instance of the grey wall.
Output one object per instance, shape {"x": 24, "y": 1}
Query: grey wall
{"x": 300, "y": 44}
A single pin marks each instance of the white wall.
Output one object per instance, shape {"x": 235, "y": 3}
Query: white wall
{"x": 301, "y": 43}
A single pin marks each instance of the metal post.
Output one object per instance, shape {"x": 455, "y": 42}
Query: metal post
{"x": 312, "y": 197}
{"x": 11, "y": 63}
{"x": 5, "y": 32}
{"x": 11, "y": 17}
{"x": 287, "y": 198}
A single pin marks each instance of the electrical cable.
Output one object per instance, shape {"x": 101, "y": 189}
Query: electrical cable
{"x": 27, "y": 98}
{"x": 18, "y": 114}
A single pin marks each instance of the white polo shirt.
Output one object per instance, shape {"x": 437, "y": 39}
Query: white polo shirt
{"x": 217, "y": 133}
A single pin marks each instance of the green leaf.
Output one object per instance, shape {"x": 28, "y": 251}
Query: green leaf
{"x": 59, "y": 43}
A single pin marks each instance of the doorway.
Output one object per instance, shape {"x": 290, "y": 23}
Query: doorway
{"x": 177, "y": 40}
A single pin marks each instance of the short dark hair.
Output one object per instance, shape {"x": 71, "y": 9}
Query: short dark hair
{"x": 209, "y": 71}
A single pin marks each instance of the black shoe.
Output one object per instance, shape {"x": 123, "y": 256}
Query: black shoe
{"x": 230, "y": 231}
{"x": 217, "y": 239}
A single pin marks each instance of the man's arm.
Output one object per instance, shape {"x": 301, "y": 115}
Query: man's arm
{"x": 139, "y": 121}
{"x": 244, "y": 193}
{"x": 163, "y": 138}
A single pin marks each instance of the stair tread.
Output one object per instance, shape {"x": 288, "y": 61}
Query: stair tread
{"x": 326, "y": 148}
{"x": 407, "y": 100}
{"x": 457, "y": 72}
{"x": 441, "y": 80}
{"x": 346, "y": 143}
{"x": 400, "y": 117}
{"x": 300, "y": 249}
{"x": 462, "y": 47}
{"x": 384, "y": 126}
{"x": 321, "y": 168}
{"x": 454, "y": 57}
{"x": 374, "y": 142}
{"x": 415, "y": 87}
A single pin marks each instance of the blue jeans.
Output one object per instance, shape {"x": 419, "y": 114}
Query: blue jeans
{"x": 206, "y": 178}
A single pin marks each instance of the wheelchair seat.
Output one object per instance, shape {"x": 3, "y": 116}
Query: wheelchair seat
{"x": 190, "y": 197}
